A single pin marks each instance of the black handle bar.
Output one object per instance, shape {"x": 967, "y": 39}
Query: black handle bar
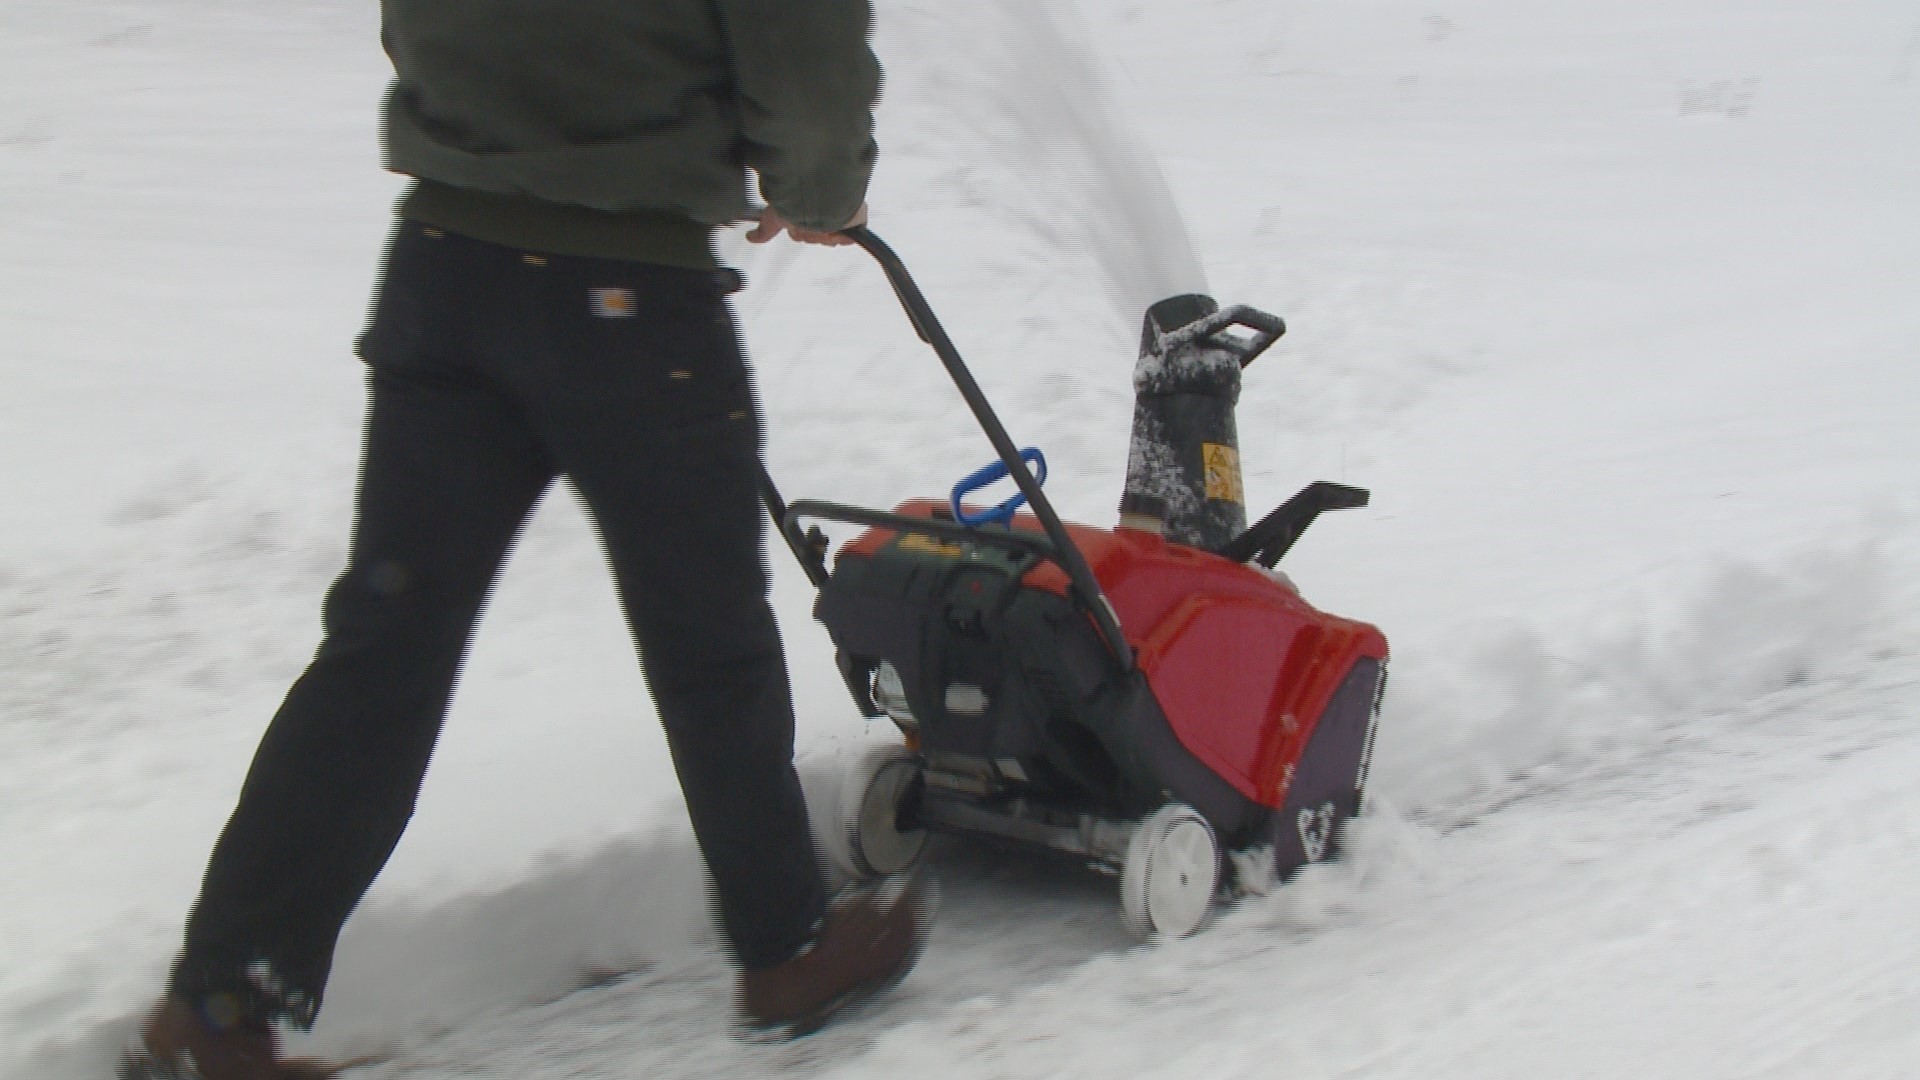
{"x": 1086, "y": 587}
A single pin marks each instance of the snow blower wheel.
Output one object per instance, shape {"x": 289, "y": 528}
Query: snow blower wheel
{"x": 883, "y": 791}
{"x": 1172, "y": 870}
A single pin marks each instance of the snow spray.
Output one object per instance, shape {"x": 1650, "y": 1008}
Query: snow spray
{"x": 1043, "y": 101}
{"x": 1183, "y": 465}
{"x": 1040, "y": 99}
{"x": 1108, "y": 193}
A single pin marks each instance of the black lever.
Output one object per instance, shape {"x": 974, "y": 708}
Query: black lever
{"x": 1272, "y": 536}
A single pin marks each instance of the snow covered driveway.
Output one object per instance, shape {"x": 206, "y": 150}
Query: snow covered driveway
{"x": 1613, "y": 310}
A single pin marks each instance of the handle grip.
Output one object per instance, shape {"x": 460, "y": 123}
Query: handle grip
{"x": 997, "y": 470}
{"x": 1212, "y": 330}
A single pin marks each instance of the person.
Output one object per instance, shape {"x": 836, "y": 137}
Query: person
{"x": 551, "y": 305}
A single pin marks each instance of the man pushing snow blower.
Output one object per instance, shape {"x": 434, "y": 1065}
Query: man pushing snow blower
{"x": 551, "y": 305}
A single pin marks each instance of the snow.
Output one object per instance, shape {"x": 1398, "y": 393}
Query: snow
{"x": 1611, "y": 310}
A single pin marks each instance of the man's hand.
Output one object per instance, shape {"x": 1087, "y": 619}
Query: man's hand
{"x": 772, "y": 225}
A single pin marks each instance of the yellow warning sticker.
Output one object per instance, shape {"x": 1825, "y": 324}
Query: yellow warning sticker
{"x": 931, "y": 546}
{"x": 614, "y": 304}
{"x": 1223, "y": 472}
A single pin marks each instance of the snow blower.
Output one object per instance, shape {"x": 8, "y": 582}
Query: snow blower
{"x": 1145, "y": 698}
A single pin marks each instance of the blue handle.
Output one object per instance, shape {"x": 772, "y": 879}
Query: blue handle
{"x": 1002, "y": 514}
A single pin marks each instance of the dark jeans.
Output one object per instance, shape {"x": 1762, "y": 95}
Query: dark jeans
{"x": 492, "y": 372}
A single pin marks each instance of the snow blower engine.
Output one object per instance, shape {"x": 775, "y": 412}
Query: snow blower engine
{"x": 1146, "y": 698}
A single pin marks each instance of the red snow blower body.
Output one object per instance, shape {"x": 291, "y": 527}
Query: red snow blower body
{"x": 1146, "y": 697}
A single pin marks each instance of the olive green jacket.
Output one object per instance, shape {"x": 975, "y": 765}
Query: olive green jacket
{"x": 642, "y": 112}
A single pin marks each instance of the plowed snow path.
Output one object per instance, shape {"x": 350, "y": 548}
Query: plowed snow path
{"x": 1736, "y": 904}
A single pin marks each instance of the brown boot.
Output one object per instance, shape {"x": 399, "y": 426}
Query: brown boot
{"x": 179, "y": 1043}
{"x": 871, "y": 937}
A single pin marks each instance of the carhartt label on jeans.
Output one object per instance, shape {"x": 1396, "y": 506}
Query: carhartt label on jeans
{"x": 612, "y": 303}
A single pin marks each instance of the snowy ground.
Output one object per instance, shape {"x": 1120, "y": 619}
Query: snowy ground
{"x": 1612, "y": 310}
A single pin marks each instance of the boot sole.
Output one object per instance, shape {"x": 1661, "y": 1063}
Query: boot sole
{"x": 845, "y": 1006}
{"x": 858, "y": 998}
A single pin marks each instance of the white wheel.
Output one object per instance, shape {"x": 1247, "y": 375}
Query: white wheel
{"x": 1172, "y": 869}
{"x": 880, "y": 783}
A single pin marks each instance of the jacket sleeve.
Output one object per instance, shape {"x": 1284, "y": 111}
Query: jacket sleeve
{"x": 806, "y": 82}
